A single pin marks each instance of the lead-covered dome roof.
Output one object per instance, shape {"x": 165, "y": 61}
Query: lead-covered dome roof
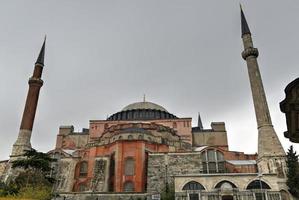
{"x": 142, "y": 111}
{"x": 144, "y": 105}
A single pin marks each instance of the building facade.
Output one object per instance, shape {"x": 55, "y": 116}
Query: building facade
{"x": 112, "y": 155}
{"x": 139, "y": 157}
{"x": 144, "y": 150}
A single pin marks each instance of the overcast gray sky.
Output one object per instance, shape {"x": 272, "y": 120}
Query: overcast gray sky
{"x": 183, "y": 54}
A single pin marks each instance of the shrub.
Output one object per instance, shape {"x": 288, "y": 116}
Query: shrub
{"x": 41, "y": 193}
{"x": 10, "y": 189}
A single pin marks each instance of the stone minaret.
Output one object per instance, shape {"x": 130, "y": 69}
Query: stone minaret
{"x": 35, "y": 83}
{"x": 270, "y": 151}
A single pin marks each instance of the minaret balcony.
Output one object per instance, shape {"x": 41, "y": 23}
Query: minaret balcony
{"x": 35, "y": 81}
{"x": 250, "y": 52}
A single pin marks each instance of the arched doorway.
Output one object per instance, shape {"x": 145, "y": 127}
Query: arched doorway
{"x": 193, "y": 189}
{"x": 225, "y": 185}
{"x": 227, "y": 189}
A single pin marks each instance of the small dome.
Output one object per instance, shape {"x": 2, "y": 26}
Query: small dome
{"x": 144, "y": 106}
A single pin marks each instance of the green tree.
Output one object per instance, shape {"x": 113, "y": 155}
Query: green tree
{"x": 33, "y": 179}
{"x": 293, "y": 172}
{"x": 36, "y": 169}
{"x": 34, "y": 160}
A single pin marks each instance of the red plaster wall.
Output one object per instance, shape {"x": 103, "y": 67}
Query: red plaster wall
{"x": 123, "y": 150}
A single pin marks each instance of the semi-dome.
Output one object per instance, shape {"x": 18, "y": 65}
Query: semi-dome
{"x": 142, "y": 111}
{"x": 144, "y": 105}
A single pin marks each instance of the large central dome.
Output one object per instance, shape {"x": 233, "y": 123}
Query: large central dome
{"x": 144, "y": 105}
{"x": 142, "y": 111}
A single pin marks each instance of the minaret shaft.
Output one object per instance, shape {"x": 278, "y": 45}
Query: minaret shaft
{"x": 258, "y": 93}
{"x": 35, "y": 83}
{"x": 270, "y": 151}
{"x": 268, "y": 142}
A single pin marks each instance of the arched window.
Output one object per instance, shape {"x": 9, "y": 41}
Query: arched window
{"x": 130, "y": 137}
{"x": 213, "y": 161}
{"x": 129, "y": 166}
{"x": 193, "y": 185}
{"x": 135, "y": 114}
{"x": 129, "y": 114}
{"x": 83, "y": 169}
{"x": 211, "y": 155}
{"x": 257, "y": 184}
{"x": 152, "y": 114}
{"x": 124, "y": 115}
{"x": 129, "y": 186}
{"x": 120, "y": 137}
{"x": 140, "y": 137}
{"x": 225, "y": 185}
{"x": 220, "y": 156}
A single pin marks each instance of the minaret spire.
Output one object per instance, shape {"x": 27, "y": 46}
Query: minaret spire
{"x": 269, "y": 145}
{"x": 41, "y": 56}
{"x": 244, "y": 26}
{"x": 199, "y": 122}
{"x": 35, "y": 83}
